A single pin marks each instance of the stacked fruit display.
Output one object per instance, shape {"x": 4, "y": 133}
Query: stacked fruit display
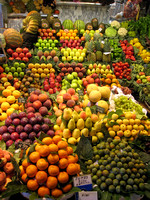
{"x": 47, "y": 34}
{"x": 67, "y": 68}
{"x": 50, "y": 167}
{"x": 128, "y": 50}
{"x": 99, "y": 69}
{"x": 115, "y": 167}
{"x": 19, "y": 54}
{"x": 17, "y": 70}
{"x": 69, "y": 54}
{"x": 122, "y": 70}
{"x": 6, "y": 169}
{"x": 71, "y": 44}
{"x": 9, "y": 102}
{"x": 67, "y": 34}
{"x": 141, "y": 78}
{"x": 47, "y": 44}
{"x": 41, "y": 70}
{"x": 1, "y": 72}
{"x": 47, "y": 55}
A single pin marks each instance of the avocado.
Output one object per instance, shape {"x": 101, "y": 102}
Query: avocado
{"x": 94, "y": 23}
{"x": 102, "y": 27}
{"x": 89, "y": 26}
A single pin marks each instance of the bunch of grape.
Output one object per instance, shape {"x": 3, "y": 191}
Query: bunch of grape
{"x": 115, "y": 167}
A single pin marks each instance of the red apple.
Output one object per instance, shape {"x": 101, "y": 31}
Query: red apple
{"x": 15, "y": 55}
{"x": 18, "y": 58}
{"x": 50, "y": 91}
{"x": 11, "y": 58}
{"x": 10, "y": 51}
{"x": 21, "y": 55}
{"x": 28, "y": 55}
{"x": 25, "y": 59}
{"x": 25, "y": 50}
{"x": 19, "y": 50}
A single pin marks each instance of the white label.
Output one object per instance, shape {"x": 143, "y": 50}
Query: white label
{"x": 102, "y": 42}
{"x": 100, "y": 29}
{"x": 88, "y": 195}
{"x": 82, "y": 180}
{"x": 107, "y": 53}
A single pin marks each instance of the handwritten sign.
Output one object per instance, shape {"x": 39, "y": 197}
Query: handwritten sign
{"x": 84, "y": 195}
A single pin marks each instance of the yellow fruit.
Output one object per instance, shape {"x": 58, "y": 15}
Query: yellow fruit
{"x": 129, "y": 127}
{"x": 10, "y": 111}
{"x": 16, "y": 94}
{"x": 37, "y": 75}
{"x": 134, "y": 132}
{"x": 6, "y": 93}
{"x": 100, "y": 135}
{"x": 37, "y": 65}
{"x": 3, "y": 116}
{"x": 94, "y": 96}
{"x": 52, "y": 70}
{"x": 114, "y": 117}
{"x": 11, "y": 88}
{"x": 116, "y": 127}
{"x": 123, "y": 127}
{"x": 91, "y": 87}
{"x": 34, "y": 70}
{"x": 128, "y": 115}
{"x": 31, "y": 65}
{"x": 43, "y": 75}
{"x": 15, "y": 106}
{"x": 5, "y": 106}
{"x": 144, "y": 132}
{"x": 49, "y": 66}
{"x": 131, "y": 121}
{"x": 72, "y": 140}
{"x": 40, "y": 70}
{"x": 103, "y": 104}
{"x": 120, "y": 133}
{"x": 141, "y": 127}
{"x": 112, "y": 133}
{"x": 105, "y": 92}
{"x": 127, "y": 133}
{"x": 119, "y": 121}
{"x": 46, "y": 71}
{"x": 137, "y": 121}
{"x": 2, "y": 99}
{"x": 11, "y": 99}
{"x": 1, "y": 110}
{"x": 135, "y": 126}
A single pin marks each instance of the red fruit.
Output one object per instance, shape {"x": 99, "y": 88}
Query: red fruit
{"x": 25, "y": 50}
{"x": 33, "y": 98}
{"x": 18, "y": 58}
{"x": 21, "y": 55}
{"x": 46, "y": 87}
{"x": 10, "y": 51}
{"x": 11, "y": 58}
{"x": 1, "y": 70}
{"x": 85, "y": 83}
{"x": 25, "y": 59}
{"x": 19, "y": 50}
{"x": 97, "y": 80}
{"x": 37, "y": 104}
{"x": 50, "y": 91}
{"x": 28, "y": 55}
{"x": 15, "y": 55}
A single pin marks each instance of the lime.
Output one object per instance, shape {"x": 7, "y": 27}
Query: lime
{"x": 108, "y": 181}
{"x": 105, "y": 172}
{"x": 111, "y": 188}
{"x": 115, "y": 182}
{"x": 12, "y": 69}
{"x": 106, "y": 151}
{"x": 118, "y": 188}
{"x": 115, "y": 170}
{"x": 132, "y": 176}
{"x": 118, "y": 176}
{"x": 116, "y": 141}
{"x": 105, "y": 162}
{"x": 116, "y": 159}
{"x": 103, "y": 186}
{"x": 16, "y": 64}
{"x": 100, "y": 152}
{"x": 94, "y": 178}
{"x": 128, "y": 159}
{"x": 128, "y": 188}
{"x": 99, "y": 173}
{"x": 96, "y": 166}
{"x": 141, "y": 186}
{"x": 122, "y": 171}
{"x": 113, "y": 163}
{"x": 15, "y": 74}
{"x": 102, "y": 167}
{"x": 125, "y": 165}
{"x": 88, "y": 171}
{"x": 108, "y": 167}
{"x": 103, "y": 178}
{"x": 94, "y": 170}
{"x": 128, "y": 171}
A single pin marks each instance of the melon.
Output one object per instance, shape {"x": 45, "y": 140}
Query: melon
{"x": 103, "y": 104}
{"x": 94, "y": 96}
{"x": 91, "y": 87}
{"x": 67, "y": 24}
{"x": 105, "y": 92}
{"x": 79, "y": 24}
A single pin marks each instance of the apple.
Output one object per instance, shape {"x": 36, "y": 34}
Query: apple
{"x": 15, "y": 55}
{"x": 21, "y": 55}
{"x": 80, "y": 59}
{"x": 25, "y": 59}
{"x": 10, "y": 51}
{"x": 11, "y": 58}
{"x": 77, "y": 54}
{"x": 25, "y": 50}
{"x": 19, "y": 50}
{"x": 28, "y": 55}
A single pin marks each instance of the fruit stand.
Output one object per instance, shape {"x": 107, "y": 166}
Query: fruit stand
{"x": 74, "y": 101}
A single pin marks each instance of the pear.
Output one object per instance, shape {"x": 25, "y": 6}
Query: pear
{"x": 67, "y": 113}
{"x": 85, "y": 132}
{"x": 66, "y": 133}
{"x": 62, "y": 125}
{"x": 93, "y": 131}
{"x": 98, "y": 125}
{"x": 76, "y": 133}
{"x": 88, "y": 122}
{"x": 88, "y": 112}
{"x": 75, "y": 116}
{"x": 71, "y": 124}
{"x": 80, "y": 124}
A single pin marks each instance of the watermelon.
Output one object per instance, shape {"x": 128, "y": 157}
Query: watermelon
{"x": 67, "y": 24}
{"x": 79, "y": 24}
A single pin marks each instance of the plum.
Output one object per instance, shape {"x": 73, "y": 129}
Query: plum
{"x": 32, "y": 120}
{"x": 39, "y": 133}
{"x": 3, "y": 129}
{"x": 11, "y": 129}
{"x": 9, "y": 143}
{"x": 40, "y": 119}
{"x": 45, "y": 127}
{"x": 37, "y": 128}
{"x": 47, "y": 120}
{"x": 23, "y": 135}
{"x": 22, "y": 114}
{"x": 32, "y": 136}
{"x": 28, "y": 128}
{"x": 8, "y": 121}
{"x": 24, "y": 121}
{"x": 31, "y": 114}
{"x": 19, "y": 128}
{"x": 6, "y": 136}
{"x": 14, "y": 136}
{"x": 13, "y": 115}
{"x": 28, "y": 141}
{"x": 43, "y": 111}
{"x": 16, "y": 121}
{"x": 37, "y": 114}
{"x": 17, "y": 141}
{"x": 51, "y": 133}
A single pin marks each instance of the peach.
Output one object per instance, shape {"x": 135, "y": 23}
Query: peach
{"x": 75, "y": 97}
{"x": 43, "y": 111}
{"x": 58, "y": 113}
{"x": 66, "y": 96}
{"x": 2, "y": 178}
{"x": 94, "y": 118}
{"x": 58, "y": 120}
{"x": 37, "y": 104}
{"x": 43, "y": 97}
{"x": 62, "y": 92}
{"x": 77, "y": 108}
{"x": 33, "y": 98}
{"x": 30, "y": 109}
{"x": 59, "y": 99}
{"x": 28, "y": 104}
{"x": 71, "y": 91}
{"x": 62, "y": 106}
{"x": 70, "y": 103}
{"x": 8, "y": 168}
{"x": 83, "y": 115}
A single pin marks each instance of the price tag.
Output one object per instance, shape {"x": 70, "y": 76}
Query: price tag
{"x": 21, "y": 100}
{"x": 82, "y": 181}
{"x": 100, "y": 29}
{"x": 80, "y": 92}
{"x": 107, "y": 53}
{"x": 27, "y": 70}
{"x": 31, "y": 90}
{"x": 100, "y": 109}
{"x": 88, "y": 195}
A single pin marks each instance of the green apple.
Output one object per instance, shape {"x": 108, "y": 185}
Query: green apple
{"x": 44, "y": 47}
{"x": 12, "y": 69}
{"x": 63, "y": 58}
{"x": 144, "y": 80}
{"x": 45, "y": 41}
{"x": 75, "y": 74}
{"x": 70, "y": 77}
{"x": 5, "y": 65}
{"x": 103, "y": 67}
{"x": 21, "y": 74}
{"x": 47, "y": 45}
{"x": 37, "y": 44}
{"x": 15, "y": 74}
{"x": 55, "y": 41}
{"x": 19, "y": 69}
{"x": 92, "y": 31}
{"x": 23, "y": 65}
{"x": 84, "y": 50}
{"x": 40, "y": 48}
{"x": 74, "y": 85}
{"x": 80, "y": 59}
{"x": 53, "y": 45}
{"x": 69, "y": 50}
{"x": 74, "y": 81}
{"x": 40, "y": 40}
{"x": 42, "y": 44}
{"x": 75, "y": 58}
{"x": 50, "y": 41}
{"x": 50, "y": 48}
{"x": 82, "y": 31}
{"x": 80, "y": 82}
{"x": 7, "y": 69}
{"x": 55, "y": 48}
{"x": 16, "y": 64}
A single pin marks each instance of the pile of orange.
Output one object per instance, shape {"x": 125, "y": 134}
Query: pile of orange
{"x": 51, "y": 167}
{"x": 68, "y": 34}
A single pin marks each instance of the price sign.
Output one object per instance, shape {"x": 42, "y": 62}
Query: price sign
{"x": 21, "y": 100}
{"x": 80, "y": 92}
{"x": 88, "y": 195}
{"x": 100, "y": 109}
{"x": 83, "y": 182}
{"x": 31, "y": 90}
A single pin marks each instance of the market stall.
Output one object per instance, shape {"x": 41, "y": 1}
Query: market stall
{"x": 74, "y": 100}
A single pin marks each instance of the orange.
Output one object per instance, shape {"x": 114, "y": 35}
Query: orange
{"x": 32, "y": 185}
{"x": 69, "y": 150}
{"x": 34, "y": 156}
{"x": 63, "y": 163}
{"x": 42, "y": 164}
{"x": 25, "y": 163}
{"x": 71, "y": 159}
{"x": 16, "y": 94}
{"x": 67, "y": 188}
{"x": 56, "y": 139}
{"x": 3, "y": 116}
{"x": 53, "y": 158}
{"x": 31, "y": 171}
{"x": 41, "y": 177}
{"x": 51, "y": 182}
{"x": 21, "y": 170}
{"x": 108, "y": 80}
{"x": 62, "y": 153}
{"x": 47, "y": 140}
{"x": 63, "y": 177}
{"x": 53, "y": 148}
{"x": 5, "y": 106}
{"x": 44, "y": 150}
{"x": 62, "y": 144}
{"x": 6, "y": 92}
{"x": 24, "y": 178}
{"x": 42, "y": 191}
{"x": 56, "y": 193}
{"x": 53, "y": 170}
{"x": 72, "y": 169}
{"x": 78, "y": 167}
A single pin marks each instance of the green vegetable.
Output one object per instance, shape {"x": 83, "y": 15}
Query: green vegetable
{"x": 110, "y": 32}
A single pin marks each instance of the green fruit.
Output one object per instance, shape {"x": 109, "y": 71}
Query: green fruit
{"x": 23, "y": 65}
{"x": 125, "y": 165}
{"x": 137, "y": 175}
{"x": 53, "y": 45}
{"x": 124, "y": 153}
{"x": 128, "y": 159}
{"x": 103, "y": 186}
{"x": 98, "y": 182}
{"x": 91, "y": 166}
{"x": 119, "y": 164}
{"x": 116, "y": 159}
{"x": 7, "y": 69}
{"x": 100, "y": 152}
{"x": 122, "y": 145}
{"x": 118, "y": 176}
{"x": 112, "y": 145}
{"x": 109, "y": 140}
{"x": 99, "y": 173}
{"x": 132, "y": 176}
{"x": 15, "y": 74}
{"x": 128, "y": 171}
{"x": 105, "y": 162}
{"x": 16, "y": 64}
{"x": 21, "y": 74}
{"x": 115, "y": 170}
{"x": 12, "y": 69}
{"x": 131, "y": 164}
{"x": 89, "y": 162}
{"x": 129, "y": 188}
{"x": 111, "y": 188}
{"x": 144, "y": 177}
{"x": 141, "y": 180}
{"x": 106, "y": 151}
{"x": 111, "y": 175}
{"x": 94, "y": 178}
{"x": 88, "y": 171}
{"x": 112, "y": 154}
{"x": 102, "y": 167}
{"x": 113, "y": 163}
{"x": 122, "y": 183}
{"x": 125, "y": 177}
{"x": 100, "y": 162}
{"x": 19, "y": 69}
{"x": 130, "y": 181}
{"x": 135, "y": 187}
{"x": 94, "y": 170}
{"x": 108, "y": 181}
{"x": 115, "y": 182}
{"x": 97, "y": 157}
{"x": 108, "y": 167}
{"x": 141, "y": 171}
{"x": 106, "y": 156}
{"x": 105, "y": 172}
{"x": 123, "y": 159}
{"x": 109, "y": 159}
{"x": 136, "y": 181}
{"x": 118, "y": 188}
{"x": 116, "y": 141}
